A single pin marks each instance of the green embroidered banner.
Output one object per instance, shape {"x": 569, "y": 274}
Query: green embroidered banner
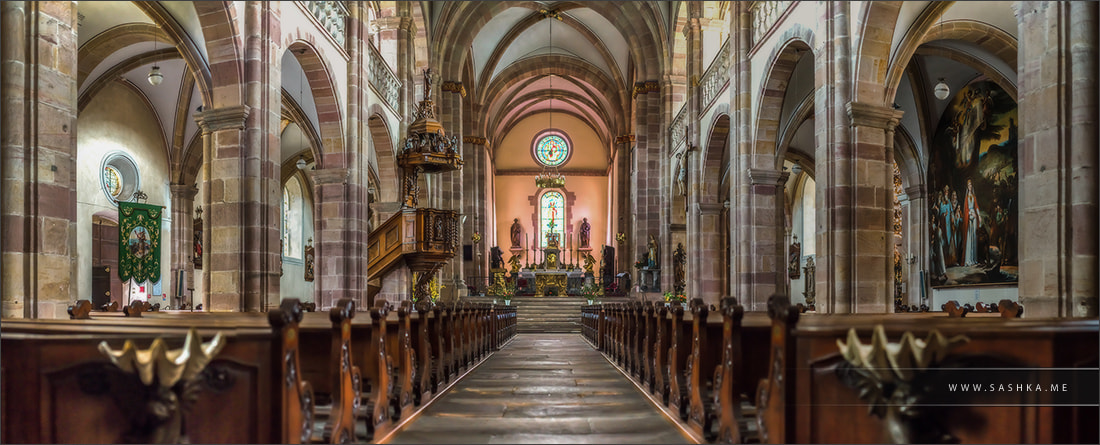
{"x": 139, "y": 241}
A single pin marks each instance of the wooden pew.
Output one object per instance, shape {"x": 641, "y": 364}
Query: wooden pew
{"x": 59, "y": 388}
{"x": 805, "y": 397}
{"x": 744, "y": 345}
{"x": 328, "y": 364}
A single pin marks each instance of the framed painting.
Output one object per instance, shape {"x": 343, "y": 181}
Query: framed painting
{"x": 972, "y": 184}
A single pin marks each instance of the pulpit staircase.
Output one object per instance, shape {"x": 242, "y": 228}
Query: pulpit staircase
{"x": 422, "y": 239}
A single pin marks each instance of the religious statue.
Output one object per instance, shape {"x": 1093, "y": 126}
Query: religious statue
{"x": 513, "y": 261}
{"x": 197, "y": 230}
{"x": 652, "y": 255}
{"x": 427, "y": 84}
{"x": 586, "y": 231}
{"x": 516, "y": 229}
{"x": 681, "y": 178}
{"x": 679, "y": 263}
{"x": 794, "y": 257}
{"x": 589, "y": 263}
{"x": 309, "y": 260}
{"x": 810, "y": 291}
{"x": 496, "y": 258}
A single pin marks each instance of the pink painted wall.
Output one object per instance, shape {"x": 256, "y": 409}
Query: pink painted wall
{"x": 513, "y": 199}
{"x": 513, "y": 192}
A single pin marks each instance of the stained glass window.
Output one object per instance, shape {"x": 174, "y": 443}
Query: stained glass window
{"x": 112, "y": 181}
{"x": 551, "y": 216}
{"x": 552, "y": 150}
{"x": 293, "y": 212}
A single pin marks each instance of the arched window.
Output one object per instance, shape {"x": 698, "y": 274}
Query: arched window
{"x": 292, "y": 219}
{"x": 551, "y": 216}
{"x": 551, "y": 148}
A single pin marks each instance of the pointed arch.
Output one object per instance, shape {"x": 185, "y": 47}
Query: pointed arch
{"x": 329, "y": 116}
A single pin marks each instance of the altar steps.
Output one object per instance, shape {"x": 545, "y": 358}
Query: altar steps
{"x": 548, "y": 314}
{"x": 537, "y": 314}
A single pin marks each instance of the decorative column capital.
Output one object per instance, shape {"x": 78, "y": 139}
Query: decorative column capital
{"x": 709, "y": 208}
{"x": 875, "y": 116}
{"x": 916, "y": 191}
{"x": 226, "y": 118}
{"x": 475, "y": 140}
{"x": 329, "y": 176}
{"x": 453, "y": 87}
{"x": 183, "y": 191}
{"x": 763, "y": 176}
{"x": 649, "y": 86}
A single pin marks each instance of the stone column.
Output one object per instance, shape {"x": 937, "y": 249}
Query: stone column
{"x": 183, "y": 241}
{"x": 740, "y": 147}
{"x": 835, "y": 164}
{"x": 356, "y": 142}
{"x": 474, "y": 206}
{"x": 645, "y": 187}
{"x": 396, "y": 34}
{"x": 37, "y": 158}
{"x": 767, "y": 270}
{"x": 331, "y": 223}
{"x": 916, "y": 242}
{"x": 223, "y": 228}
{"x": 872, "y": 214}
{"x": 1058, "y": 111}
{"x": 708, "y": 280}
{"x": 451, "y": 116}
{"x": 257, "y": 184}
{"x": 693, "y": 270}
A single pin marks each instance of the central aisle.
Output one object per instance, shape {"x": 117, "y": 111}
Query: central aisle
{"x": 543, "y": 388}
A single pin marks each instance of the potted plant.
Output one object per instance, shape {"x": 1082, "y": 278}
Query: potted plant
{"x": 672, "y": 297}
{"x": 590, "y": 291}
{"x": 504, "y": 289}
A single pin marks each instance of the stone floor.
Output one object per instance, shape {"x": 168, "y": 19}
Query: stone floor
{"x": 543, "y": 388}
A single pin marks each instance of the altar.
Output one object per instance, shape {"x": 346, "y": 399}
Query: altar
{"x": 552, "y": 275}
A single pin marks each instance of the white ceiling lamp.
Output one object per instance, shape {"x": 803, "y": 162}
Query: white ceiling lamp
{"x": 301, "y": 164}
{"x": 942, "y": 90}
{"x": 155, "y": 77}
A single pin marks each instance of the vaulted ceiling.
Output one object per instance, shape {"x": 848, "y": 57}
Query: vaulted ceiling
{"x": 575, "y": 58}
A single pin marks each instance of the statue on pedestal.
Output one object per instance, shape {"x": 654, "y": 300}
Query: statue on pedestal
{"x": 586, "y": 231}
{"x": 653, "y": 255}
{"x": 516, "y": 229}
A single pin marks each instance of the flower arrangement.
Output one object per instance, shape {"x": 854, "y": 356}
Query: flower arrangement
{"x": 639, "y": 264}
{"x": 435, "y": 289}
{"x": 672, "y": 297}
{"x": 591, "y": 291}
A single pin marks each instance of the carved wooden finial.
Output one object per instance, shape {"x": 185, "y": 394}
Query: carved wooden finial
{"x": 954, "y": 309}
{"x": 135, "y": 308}
{"x": 81, "y": 310}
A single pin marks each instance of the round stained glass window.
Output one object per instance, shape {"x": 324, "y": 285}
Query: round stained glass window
{"x": 552, "y": 150}
{"x": 112, "y": 181}
{"x": 119, "y": 177}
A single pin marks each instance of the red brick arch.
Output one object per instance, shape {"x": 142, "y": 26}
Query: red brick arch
{"x": 990, "y": 38}
{"x": 223, "y": 46}
{"x": 798, "y": 41}
{"x": 873, "y": 40}
{"x": 389, "y": 186}
{"x": 710, "y": 169}
{"x": 329, "y": 116}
